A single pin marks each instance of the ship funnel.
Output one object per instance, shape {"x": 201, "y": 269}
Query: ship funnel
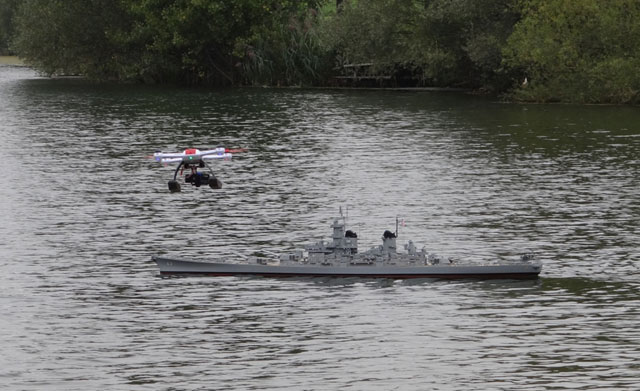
{"x": 389, "y": 242}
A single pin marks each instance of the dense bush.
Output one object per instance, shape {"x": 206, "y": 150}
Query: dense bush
{"x": 285, "y": 52}
{"x": 444, "y": 42}
{"x": 180, "y": 41}
{"x": 7, "y": 11}
{"x": 577, "y": 51}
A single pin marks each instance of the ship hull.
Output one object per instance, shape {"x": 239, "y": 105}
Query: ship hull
{"x": 170, "y": 266}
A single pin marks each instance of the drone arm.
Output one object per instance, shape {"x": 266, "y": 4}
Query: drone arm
{"x": 159, "y": 156}
{"x": 215, "y": 151}
{"x": 225, "y": 156}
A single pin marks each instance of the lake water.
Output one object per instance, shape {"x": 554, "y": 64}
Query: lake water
{"x": 83, "y": 209}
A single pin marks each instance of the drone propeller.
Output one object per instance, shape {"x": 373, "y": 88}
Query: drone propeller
{"x": 236, "y": 150}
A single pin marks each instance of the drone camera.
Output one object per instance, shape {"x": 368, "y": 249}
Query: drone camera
{"x": 197, "y": 179}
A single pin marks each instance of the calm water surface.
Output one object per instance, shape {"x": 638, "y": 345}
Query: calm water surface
{"x": 83, "y": 209}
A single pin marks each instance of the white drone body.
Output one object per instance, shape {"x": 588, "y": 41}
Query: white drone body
{"x": 192, "y": 155}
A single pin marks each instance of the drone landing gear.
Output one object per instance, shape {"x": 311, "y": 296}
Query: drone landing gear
{"x": 215, "y": 183}
{"x": 174, "y": 186}
{"x": 196, "y": 178}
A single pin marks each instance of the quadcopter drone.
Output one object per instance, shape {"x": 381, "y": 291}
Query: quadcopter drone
{"x": 192, "y": 159}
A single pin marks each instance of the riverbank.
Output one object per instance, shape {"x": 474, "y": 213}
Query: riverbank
{"x": 11, "y": 60}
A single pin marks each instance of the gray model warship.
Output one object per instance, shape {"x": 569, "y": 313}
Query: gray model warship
{"x": 340, "y": 258}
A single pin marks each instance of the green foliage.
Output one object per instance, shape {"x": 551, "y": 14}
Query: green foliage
{"x": 188, "y": 41}
{"x": 445, "y": 42}
{"x": 577, "y": 51}
{"x": 287, "y": 52}
{"x": 7, "y": 11}
{"x": 160, "y": 41}
{"x": 379, "y": 32}
{"x": 582, "y": 51}
{"x": 68, "y": 37}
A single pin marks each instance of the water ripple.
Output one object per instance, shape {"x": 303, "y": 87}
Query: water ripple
{"x": 83, "y": 210}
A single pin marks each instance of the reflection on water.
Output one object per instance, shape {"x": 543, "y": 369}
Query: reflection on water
{"x": 83, "y": 210}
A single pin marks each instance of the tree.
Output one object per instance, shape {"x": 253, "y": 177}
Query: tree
{"x": 474, "y": 32}
{"x": 286, "y": 50}
{"x": 70, "y": 36}
{"x": 577, "y": 51}
{"x": 444, "y": 42}
{"x": 182, "y": 41}
{"x": 7, "y": 11}
{"x": 376, "y": 31}
{"x": 189, "y": 41}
